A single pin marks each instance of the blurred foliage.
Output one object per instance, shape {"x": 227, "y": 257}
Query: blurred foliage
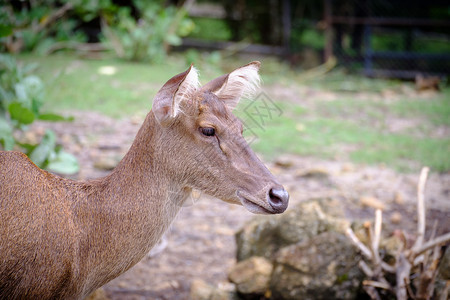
{"x": 21, "y": 99}
{"x": 307, "y": 37}
{"x": 37, "y": 25}
{"x": 204, "y": 60}
{"x": 211, "y": 29}
{"x": 140, "y": 31}
{"x": 149, "y": 37}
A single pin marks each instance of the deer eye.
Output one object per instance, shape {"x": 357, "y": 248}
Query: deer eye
{"x": 208, "y": 131}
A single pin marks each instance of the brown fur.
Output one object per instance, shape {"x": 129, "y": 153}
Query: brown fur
{"x": 62, "y": 239}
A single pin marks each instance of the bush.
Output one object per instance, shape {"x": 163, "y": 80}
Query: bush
{"x": 37, "y": 26}
{"x": 21, "y": 99}
{"x": 148, "y": 37}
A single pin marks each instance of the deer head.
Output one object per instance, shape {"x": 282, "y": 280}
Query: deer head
{"x": 204, "y": 146}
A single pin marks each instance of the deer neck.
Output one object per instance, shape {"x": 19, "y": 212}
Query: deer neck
{"x": 133, "y": 206}
{"x": 143, "y": 177}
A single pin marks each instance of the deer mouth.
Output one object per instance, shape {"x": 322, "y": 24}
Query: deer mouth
{"x": 251, "y": 205}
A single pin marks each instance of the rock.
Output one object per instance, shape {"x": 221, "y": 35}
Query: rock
{"x": 30, "y": 137}
{"x": 252, "y": 275}
{"x": 223, "y": 295}
{"x": 105, "y": 163}
{"x": 348, "y": 168}
{"x": 399, "y": 198}
{"x": 284, "y": 162}
{"x": 98, "y": 294}
{"x": 317, "y": 173}
{"x": 396, "y": 217}
{"x": 263, "y": 236}
{"x": 323, "y": 267}
{"x": 372, "y": 202}
{"x": 201, "y": 290}
{"x": 260, "y": 237}
{"x": 313, "y": 258}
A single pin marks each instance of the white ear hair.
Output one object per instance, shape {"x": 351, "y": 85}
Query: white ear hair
{"x": 185, "y": 90}
{"x": 242, "y": 82}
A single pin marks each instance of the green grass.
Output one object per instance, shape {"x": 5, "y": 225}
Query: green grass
{"x": 349, "y": 127}
{"x": 437, "y": 109}
{"x": 341, "y": 81}
{"x": 77, "y": 84}
{"x": 340, "y": 139}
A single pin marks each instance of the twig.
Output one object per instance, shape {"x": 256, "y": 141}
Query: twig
{"x": 388, "y": 268}
{"x": 372, "y": 292}
{"x": 365, "y": 268}
{"x": 364, "y": 250}
{"x": 376, "y": 238}
{"x": 406, "y": 259}
{"x": 410, "y": 291}
{"x": 444, "y": 293}
{"x": 319, "y": 70}
{"x": 112, "y": 38}
{"x": 85, "y": 47}
{"x": 377, "y": 284}
{"x": 53, "y": 17}
{"x": 425, "y": 285}
{"x": 443, "y": 239}
{"x": 369, "y": 234}
{"x": 378, "y": 221}
{"x": 421, "y": 208}
{"x": 319, "y": 211}
{"x": 403, "y": 272}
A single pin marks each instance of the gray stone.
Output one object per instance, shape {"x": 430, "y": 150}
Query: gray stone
{"x": 106, "y": 163}
{"x": 263, "y": 236}
{"x": 323, "y": 267}
{"x": 98, "y": 294}
{"x": 252, "y": 275}
{"x": 201, "y": 290}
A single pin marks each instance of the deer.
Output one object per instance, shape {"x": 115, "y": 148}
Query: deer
{"x": 62, "y": 239}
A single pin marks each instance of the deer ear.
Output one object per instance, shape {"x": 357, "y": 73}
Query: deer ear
{"x": 242, "y": 82}
{"x": 166, "y": 104}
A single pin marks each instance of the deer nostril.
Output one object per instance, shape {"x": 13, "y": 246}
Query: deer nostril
{"x": 278, "y": 199}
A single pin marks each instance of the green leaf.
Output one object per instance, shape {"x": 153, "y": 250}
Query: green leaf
{"x": 22, "y": 114}
{"x": 5, "y": 30}
{"x": 21, "y": 92}
{"x": 173, "y": 40}
{"x": 40, "y": 154}
{"x": 63, "y": 163}
{"x": 27, "y": 147}
{"x": 54, "y": 117}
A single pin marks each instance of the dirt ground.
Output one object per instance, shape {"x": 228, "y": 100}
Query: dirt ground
{"x": 200, "y": 243}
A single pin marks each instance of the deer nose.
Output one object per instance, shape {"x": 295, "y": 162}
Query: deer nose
{"x": 278, "y": 199}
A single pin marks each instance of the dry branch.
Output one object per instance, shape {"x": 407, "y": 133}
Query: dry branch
{"x": 377, "y": 284}
{"x": 440, "y": 240}
{"x": 364, "y": 250}
{"x": 406, "y": 259}
{"x": 421, "y": 207}
{"x": 60, "y": 12}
